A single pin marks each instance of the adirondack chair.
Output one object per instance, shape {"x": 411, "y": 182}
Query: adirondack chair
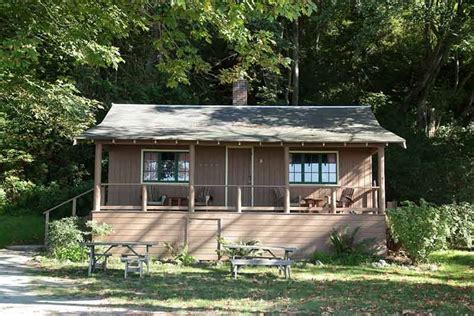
{"x": 346, "y": 198}
{"x": 204, "y": 197}
{"x": 280, "y": 197}
{"x": 154, "y": 198}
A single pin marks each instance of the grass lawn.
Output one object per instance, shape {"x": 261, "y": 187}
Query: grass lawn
{"x": 447, "y": 287}
{"x": 19, "y": 230}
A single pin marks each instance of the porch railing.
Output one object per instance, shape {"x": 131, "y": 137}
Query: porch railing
{"x": 134, "y": 196}
{"x": 73, "y": 202}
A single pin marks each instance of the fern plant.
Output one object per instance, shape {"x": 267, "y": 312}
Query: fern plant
{"x": 344, "y": 241}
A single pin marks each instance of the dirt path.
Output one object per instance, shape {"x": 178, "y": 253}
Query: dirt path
{"x": 17, "y": 291}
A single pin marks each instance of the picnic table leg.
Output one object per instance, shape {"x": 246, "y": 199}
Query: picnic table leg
{"x": 91, "y": 260}
{"x": 147, "y": 260}
{"x": 235, "y": 271}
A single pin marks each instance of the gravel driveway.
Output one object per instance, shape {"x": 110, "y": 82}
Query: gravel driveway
{"x": 17, "y": 291}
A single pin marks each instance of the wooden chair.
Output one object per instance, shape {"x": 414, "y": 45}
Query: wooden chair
{"x": 154, "y": 198}
{"x": 280, "y": 197}
{"x": 204, "y": 197}
{"x": 346, "y": 198}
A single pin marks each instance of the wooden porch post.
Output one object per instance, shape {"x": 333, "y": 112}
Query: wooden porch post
{"x": 192, "y": 167}
{"x": 381, "y": 179}
{"x": 333, "y": 200}
{"x": 286, "y": 201}
{"x": 46, "y": 228}
{"x": 144, "y": 198}
{"x": 97, "y": 176}
{"x": 74, "y": 207}
{"x": 239, "y": 200}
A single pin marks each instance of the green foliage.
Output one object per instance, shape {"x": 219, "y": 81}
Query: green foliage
{"x": 25, "y": 197}
{"x": 192, "y": 28}
{"x": 420, "y": 229}
{"x": 63, "y": 63}
{"x": 97, "y": 230}
{"x": 460, "y": 218}
{"x": 445, "y": 159}
{"x": 344, "y": 242}
{"x": 64, "y": 239}
{"x": 346, "y": 259}
{"x": 346, "y": 248}
{"x": 424, "y": 228}
{"x": 180, "y": 254}
{"x": 19, "y": 230}
{"x": 226, "y": 252}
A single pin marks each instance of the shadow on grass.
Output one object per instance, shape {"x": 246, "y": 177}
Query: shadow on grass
{"x": 212, "y": 288}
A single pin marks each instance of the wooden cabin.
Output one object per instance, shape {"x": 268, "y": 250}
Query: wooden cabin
{"x": 282, "y": 175}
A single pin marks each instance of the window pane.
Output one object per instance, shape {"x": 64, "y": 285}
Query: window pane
{"x": 329, "y": 168}
{"x": 297, "y": 177}
{"x": 167, "y": 167}
{"x": 295, "y": 168}
{"x": 325, "y": 177}
{"x": 183, "y": 167}
{"x": 150, "y": 166}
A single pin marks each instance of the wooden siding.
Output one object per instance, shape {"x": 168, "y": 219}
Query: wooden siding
{"x": 355, "y": 169}
{"x": 307, "y": 232}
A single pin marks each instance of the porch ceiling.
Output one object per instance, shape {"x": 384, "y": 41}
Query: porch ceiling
{"x": 335, "y": 124}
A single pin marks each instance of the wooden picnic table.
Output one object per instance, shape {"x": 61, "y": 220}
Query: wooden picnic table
{"x": 311, "y": 202}
{"x": 283, "y": 263}
{"x": 178, "y": 200}
{"x": 268, "y": 249}
{"x": 94, "y": 257}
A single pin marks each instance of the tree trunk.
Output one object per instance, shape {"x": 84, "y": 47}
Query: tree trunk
{"x": 296, "y": 71}
{"x": 435, "y": 57}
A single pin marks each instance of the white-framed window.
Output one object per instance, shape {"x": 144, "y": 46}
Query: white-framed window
{"x": 165, "y": 166}
{"x": 313, "y": 167}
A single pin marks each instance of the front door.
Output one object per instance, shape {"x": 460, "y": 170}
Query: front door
{"x": 239, "y": 172}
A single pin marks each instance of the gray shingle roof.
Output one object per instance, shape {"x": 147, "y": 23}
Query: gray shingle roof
{"x": 349, "y": 124}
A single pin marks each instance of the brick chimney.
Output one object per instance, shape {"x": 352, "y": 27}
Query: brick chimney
{"x": 239, "y": 92}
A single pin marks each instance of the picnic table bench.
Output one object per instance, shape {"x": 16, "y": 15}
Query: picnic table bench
{"x": 133, "y": 261}
{"x": 282, "y": 263}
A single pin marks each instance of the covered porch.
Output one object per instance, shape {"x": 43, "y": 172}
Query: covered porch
{"x": 219, "y": 179}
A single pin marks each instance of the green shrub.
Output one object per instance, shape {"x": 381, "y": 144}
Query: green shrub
{"x": 420, "y": 229}
{"x": 226, "y": 252}
{"x": 97, "y": 230}
{"x": 64, "y": 239}
{"x": 344, "y": 242}
{"x": 461, "y": 224}
{"x": 346, "y": 248}
{"x": 346, "y": 259}
{"x": 180, "y": 254}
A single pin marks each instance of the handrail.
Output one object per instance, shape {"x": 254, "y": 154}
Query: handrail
{"x": 46, "y": 213}
{"x": 293, "y": 185}
{"x": 67, "y": 201}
